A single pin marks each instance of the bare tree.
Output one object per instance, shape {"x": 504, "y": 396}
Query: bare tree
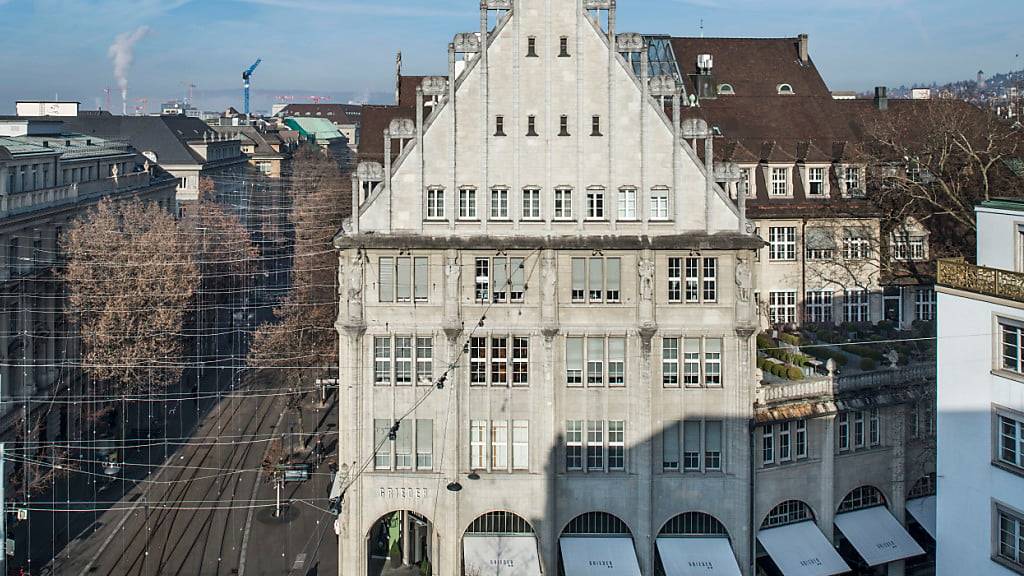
{"x": 934, "y": 161}
{"x": 302, "y": 340}
{"x": 130, "y": 276}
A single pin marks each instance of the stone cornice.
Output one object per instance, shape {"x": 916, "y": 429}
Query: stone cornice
{"x": 685, "y": 241}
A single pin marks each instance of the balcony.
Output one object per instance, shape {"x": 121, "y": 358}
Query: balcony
{"x": 828, "y": 387}
{"x": 31, "y": 201}
{"x": 981, "y": 280}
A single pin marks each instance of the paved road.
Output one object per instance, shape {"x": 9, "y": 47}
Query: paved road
{"x": 195, "y": 513}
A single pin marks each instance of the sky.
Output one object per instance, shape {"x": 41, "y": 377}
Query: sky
{"x": 345, "y": 49}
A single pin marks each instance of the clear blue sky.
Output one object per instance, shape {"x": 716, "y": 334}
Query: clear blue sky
{"x": 327, "y": 47}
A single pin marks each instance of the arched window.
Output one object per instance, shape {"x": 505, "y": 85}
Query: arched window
{"x": 925, "y": 486}
{"x": 596, "y": 523}
{"x": 789, "y": 512}
{"x": 785, "y": 89}
{"x": 694, "y": 524}
{"x": 861, "y": 497}
{"x": 500, "y": 522}
{"x": 726, "y": 89}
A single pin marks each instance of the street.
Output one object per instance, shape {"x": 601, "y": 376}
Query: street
{"x": 210, "y": 510}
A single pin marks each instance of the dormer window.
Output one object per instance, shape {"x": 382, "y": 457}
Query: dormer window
{"x": 563, "y": 126}
{"x": 531, "y": 125}
{"x": 785, "y": 90}
{"x": 817, "y": 182}
{"x": 531, "y": 47}
{"x": 780, "y": 181}
{"x": 563, "y": 47}
{"x": 726, "y": 90}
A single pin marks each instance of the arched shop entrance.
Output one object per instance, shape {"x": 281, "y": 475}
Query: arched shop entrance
{"x": 400, "y": 543}
{"x": 500, "y": 544}
{"x": 868, "y": 536}
{"x": 597, "y": 543}
{"x": 790, "y": 543}
{"x": 694, "y": 543}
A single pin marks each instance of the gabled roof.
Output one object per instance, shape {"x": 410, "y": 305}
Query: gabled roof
{"x": 252, "y": 135}
{"x": 753, "y": 66}
{"x": 407, "y": 89}
{"x": 376, "y": 119}
{"x": 320, "y": 129}
{"x": 338, "y": 113}
{"x": 167, "y": 136}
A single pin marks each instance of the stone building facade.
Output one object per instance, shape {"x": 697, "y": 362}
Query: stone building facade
{"x": 546, "y": 327}
{"x": 49, "y": 176}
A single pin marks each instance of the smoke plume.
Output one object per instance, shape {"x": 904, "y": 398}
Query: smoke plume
{"x": 122, "y": 53}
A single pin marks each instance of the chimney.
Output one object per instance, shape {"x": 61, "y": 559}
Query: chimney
{"x": 804, "y": 56}
{"x": 881, "y": 100}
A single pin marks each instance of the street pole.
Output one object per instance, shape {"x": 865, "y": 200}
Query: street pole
{"x": 277, "y": 509}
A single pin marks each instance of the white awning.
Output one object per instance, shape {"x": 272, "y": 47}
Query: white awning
{"x": 923, "y": 510}
{"x": 877, "y": 535}
{"x": 500, "y": 555}
{"x": 697, "y": 556}
{"x": 587, "y": 555}
{"x": 801, "y": 550}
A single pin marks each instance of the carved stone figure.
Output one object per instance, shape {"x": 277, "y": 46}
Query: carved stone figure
{"x": 434, "y": 86}
{"x": 466, "y": 42}
{"x": 629, "y": 42}
{"x": 402, "y": 128}
{"x": 646, "y": 279}
{"x": 355, "y": 279}
{"x": 742, "y": 280}
{"x": 663, "y": 85}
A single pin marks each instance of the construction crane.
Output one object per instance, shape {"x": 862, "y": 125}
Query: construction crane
{"x": 245, "y": 82}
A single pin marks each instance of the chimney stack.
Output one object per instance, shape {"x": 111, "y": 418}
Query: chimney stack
{"x": 881, "y": 100}
{"x": 804, "y": 56}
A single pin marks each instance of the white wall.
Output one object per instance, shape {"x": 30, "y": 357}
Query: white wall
{"x": 967, "y": 481}
{"x": 998, "y": 240}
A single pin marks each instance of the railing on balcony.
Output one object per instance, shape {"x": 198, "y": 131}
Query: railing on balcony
{"x": 981, "y": 280}
{"x": 22, "y": 202}
{"x": 826, "y": 386}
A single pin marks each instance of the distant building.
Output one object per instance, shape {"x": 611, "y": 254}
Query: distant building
{"x": 179, "y": 108}
{"x": 844, "y": 94}
{"x": 921, "y": 94}
{"x": 46, "y": 108}
{"x": 186, "y": 147}
{"x": 49, "y": 176}
{"x": 324, "y": 134}
{"x": 347, "y": 118}
{"x": 268, "y": 152}
{"x": 981, "y": 400}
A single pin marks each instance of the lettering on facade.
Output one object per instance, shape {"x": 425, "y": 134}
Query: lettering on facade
{"x": 887, "y": 545}
{"x": 508, "y": 563}
{"x": 391, "y": 493}
{"x": 710, "y": 566}
{"x": 602, "y": 564}
{"x": 811, "y": 562}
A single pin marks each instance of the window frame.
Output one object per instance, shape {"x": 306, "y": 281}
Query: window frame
{"x": 1000, "y": 358}
{"x": 856, "y": 305}
{"x": 562, "y": 208}
{"x": 692, "y": 279}
{"x": 1001, "y": 511}
{"x": 392, "y": 360}
{"x": 622, "y": 209}
{"x": 818, "y": 307}
{"x": 659, "y": 198}
{"x": 595, "y": 204}
{"x": 782, "y": 312}
{"x": 531, "y": 198}
{"x": 436, "y": 209}
{"x": 782, "y": 244}
{"x": 774, "y": 182}
{"x": 1000, "y": 417}
{"x": 581, "y": 289}
{"x": 821, "y": 180}
{"x": 468, "y": 204}
{"x": 490, "y": 366}
{"x": 499, "y": 205}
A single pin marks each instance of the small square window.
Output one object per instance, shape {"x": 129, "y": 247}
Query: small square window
{"x": 531, "y": 47}
{"x": 531, "y": 125}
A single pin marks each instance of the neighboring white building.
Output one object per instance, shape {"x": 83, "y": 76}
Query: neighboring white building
{"x": 981, "y": 401}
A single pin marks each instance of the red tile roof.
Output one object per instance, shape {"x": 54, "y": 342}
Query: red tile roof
{"x": 376, "y": 119}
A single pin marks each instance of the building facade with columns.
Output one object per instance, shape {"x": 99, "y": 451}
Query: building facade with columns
{"x": 546, "y": 332}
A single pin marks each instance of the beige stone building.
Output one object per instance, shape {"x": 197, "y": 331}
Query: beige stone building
{"x": 546, "y": 329}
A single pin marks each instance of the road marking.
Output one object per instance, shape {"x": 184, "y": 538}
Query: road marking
{"x": 300, "y": 561}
